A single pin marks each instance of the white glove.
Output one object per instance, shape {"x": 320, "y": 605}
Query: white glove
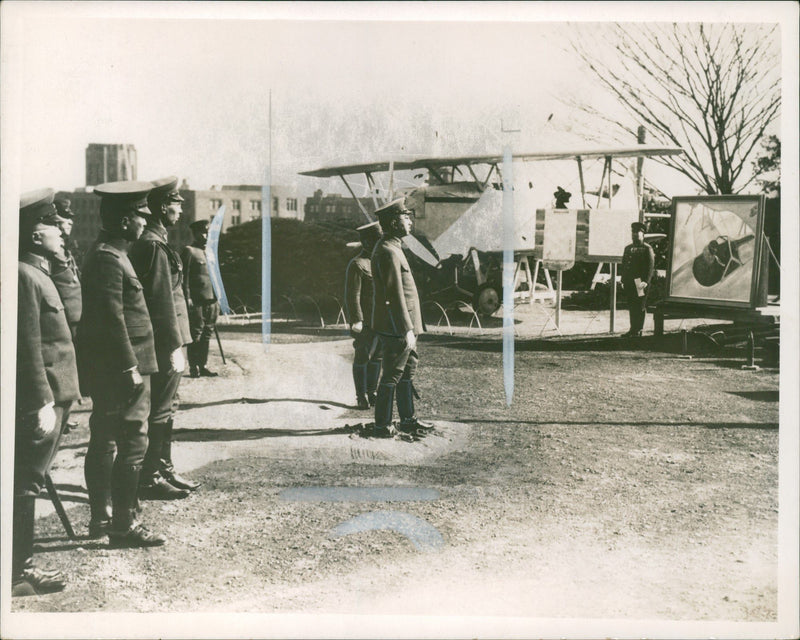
{"x": 177, "y": 361}
{"x": 357, "y": 327}
{"x": 45, "y": 421}
{"x": 411, "y": 340}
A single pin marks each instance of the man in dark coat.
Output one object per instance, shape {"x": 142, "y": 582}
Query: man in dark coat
{"x": 47, "y": 383}
{"x": 116, "y": 356}
{"x": 200, "y": 298}
{"x": 397, "y": 320}
{"x": 66, "y": 276}
{"x": 358, "y": 294}
{"x": 638, "y": 261}
{"x": 161, "y": 273}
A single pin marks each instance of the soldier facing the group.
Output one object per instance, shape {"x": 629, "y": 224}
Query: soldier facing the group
{"x": 397, "y": 319}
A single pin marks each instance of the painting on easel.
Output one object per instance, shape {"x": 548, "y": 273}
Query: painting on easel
{"x": 716, "y": 250}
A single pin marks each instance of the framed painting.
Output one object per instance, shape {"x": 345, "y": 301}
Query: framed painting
{"x": 716, "y": 250}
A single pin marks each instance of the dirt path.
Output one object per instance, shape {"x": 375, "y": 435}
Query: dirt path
{"x": 620, "y": 484}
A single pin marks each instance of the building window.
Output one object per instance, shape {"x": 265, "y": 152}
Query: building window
{"x": 291, "y": 204}
{"x": 275, "y": 206}
{"x": 236, "y": 219}
{"x": 236, "y": 205}
{"x": 215, "y": 204}
{"x": 255, "y": 205}
{"x": 312, "y": 208}
{"x": 329, "y": 208}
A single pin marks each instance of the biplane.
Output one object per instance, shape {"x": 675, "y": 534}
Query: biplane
{"x": 458, "y": 211}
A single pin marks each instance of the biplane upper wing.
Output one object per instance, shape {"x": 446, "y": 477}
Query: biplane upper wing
{"x": 636, "y": 151}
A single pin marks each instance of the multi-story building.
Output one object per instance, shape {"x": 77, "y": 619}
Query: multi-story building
{"x": 337, "y": 209}
{"x": 109, "y": 163}
{"x": 244, "y": 203}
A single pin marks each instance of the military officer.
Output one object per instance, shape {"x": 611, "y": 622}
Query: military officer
{"x": 200, "y": 298}
{"x": 116, "y": 356}
{"x": 358, "y": 294}
{"x": 161, "y": 273}
{"x": 46, "y": 383}
{"x": 66, "y": 276}
{"x": 638, "y": 261}
{"x": 397, "y": 320}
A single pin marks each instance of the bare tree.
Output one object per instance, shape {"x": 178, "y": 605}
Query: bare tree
{"x": 713, "y": 90}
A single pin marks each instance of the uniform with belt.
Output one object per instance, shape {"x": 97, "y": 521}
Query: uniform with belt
{"x": 397, "y": 320}
{"x": 201, "y": 299}
{"x": 116, "y": 356}
{"x": 161, "y": 273}
{"x": 638, "y": 262}
{"x": 46, "y": 384}
{"x": 359, "y": 291}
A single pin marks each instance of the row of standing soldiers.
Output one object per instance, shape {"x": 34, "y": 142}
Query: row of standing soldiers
{"x": 113, "y": 330}
{"x": 383, "y": 310}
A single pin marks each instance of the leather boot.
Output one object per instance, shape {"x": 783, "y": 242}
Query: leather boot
{"x": 202, "y": 359}
{"x": 167, "y": 468}
{"x": 26, "y": 579}
{"x": 125, "y": 530}
{"x": 409, "y": 422}
{"x": 373, "y": 373}
{"x": 383, "y": 410}
{"x": 152, "y": 486}
{"x": 360, "y": 381}
{"x": 97, "y": 473}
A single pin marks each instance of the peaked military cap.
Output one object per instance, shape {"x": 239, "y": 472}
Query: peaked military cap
{"x": 127, "y": 192}
{"x": 394, "y": 208}
{"x": 165, "y": 190}
{"x": 638, "y": 226}
{"x": 36, "y": 207}
{"x": 63, "y": 208}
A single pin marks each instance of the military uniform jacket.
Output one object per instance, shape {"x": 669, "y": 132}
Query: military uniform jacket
{"x": 46, "y": 370}
{"x": 161, "y": 273}
{"x": 358, "y": 292}
{"x": 115, "y": 333}
{"x": 637, "y": 262}
{"x": 197, "y": 286}
{"x": 396, "y": 310}
{"x": 66, "y": 277}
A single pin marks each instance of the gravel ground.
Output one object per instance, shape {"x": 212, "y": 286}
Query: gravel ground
{"x": 623, "y": 483}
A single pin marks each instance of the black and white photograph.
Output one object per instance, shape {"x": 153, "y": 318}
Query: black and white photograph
{"x": 399, "y": 320}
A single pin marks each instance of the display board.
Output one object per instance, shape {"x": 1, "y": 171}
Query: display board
{"x": 609, "y": 233}
{"x": 558, "y": 248}
{"x": 716, "y": 250}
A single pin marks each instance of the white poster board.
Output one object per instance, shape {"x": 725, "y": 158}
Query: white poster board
{"x": 610, "y": 233}
{"x": 558, "y": 248}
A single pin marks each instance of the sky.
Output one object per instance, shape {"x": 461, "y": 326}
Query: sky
{"x": 221, "y": 93}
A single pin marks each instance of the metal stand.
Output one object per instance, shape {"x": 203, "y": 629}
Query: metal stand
{"x": 685, "y": 346}
{"x": 751, "y": 354}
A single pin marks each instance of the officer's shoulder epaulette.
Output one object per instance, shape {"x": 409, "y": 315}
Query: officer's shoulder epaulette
{"x": 107, "y": 249}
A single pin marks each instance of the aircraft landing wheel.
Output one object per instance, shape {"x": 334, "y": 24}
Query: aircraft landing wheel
{"x": 486, "y": 300}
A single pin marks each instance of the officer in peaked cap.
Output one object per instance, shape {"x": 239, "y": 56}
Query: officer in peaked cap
{"x": 64, "y": 267}
{"x": 116, "y": 357}
{"x": 160, "y": 271}
{"x": 358, "y": 296}
{"x": 46, "y": 383}
{"x": 201, "y": 300}
{"x": 638, "y": 262}
{"x": 397, "y": 320}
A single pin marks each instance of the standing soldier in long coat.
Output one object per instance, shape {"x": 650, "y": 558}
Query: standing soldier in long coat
{"x": 200, "y": 298}
{"x": 66, "y": 276}
{"x": 637, "y": 267}
{"x": 397, "y": 320}
{"x": 358, "y": 294}
{"x": 116, "y": 357}
{"x": 161, "y": 273}
{"x": 47, "y": 383}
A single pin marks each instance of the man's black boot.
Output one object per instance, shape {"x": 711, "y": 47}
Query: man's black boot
{"x": 373, "y": 373}
{"x": 167, "y": 468}
{"x": 125, "y": 530}
{"x": 26, "y": 579}
{"x": 360, "y": 382}
{"x": 409, "y": 422}
{"x": 383, "y": 411}
{"x": 97, "y": 473}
